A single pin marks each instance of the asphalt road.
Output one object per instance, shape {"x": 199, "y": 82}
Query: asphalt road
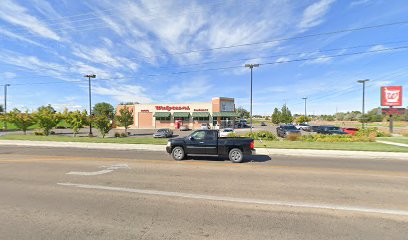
{"x": 95, "y": 194}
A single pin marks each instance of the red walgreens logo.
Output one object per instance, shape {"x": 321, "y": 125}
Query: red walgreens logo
{"x": 391, "y": 96}
{"x": 169, "y": 108}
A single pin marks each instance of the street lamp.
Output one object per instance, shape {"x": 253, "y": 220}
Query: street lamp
{"x": 251, "y": 66}
{"x": 5, "y": 105}
{"x": 305, "y": 98}
{"x": 362, "y": 116}
{"x": 89, "y": 76}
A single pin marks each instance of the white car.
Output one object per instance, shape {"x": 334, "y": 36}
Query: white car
{"x": 205, "y": 126}
{"x": 226, "y": 132}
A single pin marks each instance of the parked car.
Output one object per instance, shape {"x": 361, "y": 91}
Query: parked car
{"x": 351, "y": 131}
{"x": 263, "y": 124}
{"x": 205, "y": 126}
{"x": 314, "y": 128}
{"x": 331, "y": 130}
{"x": 226, "y": 131}
{"x": 163, "y": 133}
{"x": 184, "y": 128}
{"x": 285, "y": 130}
{"x": 208, "y": 142}
{"x": 304, "y": 127}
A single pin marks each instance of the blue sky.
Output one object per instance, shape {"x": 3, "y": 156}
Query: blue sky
{"x": 137, "y": 49}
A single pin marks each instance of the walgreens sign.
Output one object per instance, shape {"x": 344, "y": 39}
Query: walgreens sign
{"x": 169, "y": 108}
{"x": 391, "y": 96}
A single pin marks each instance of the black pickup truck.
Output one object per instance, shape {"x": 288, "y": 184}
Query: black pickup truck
{"x": 208, "y": 142}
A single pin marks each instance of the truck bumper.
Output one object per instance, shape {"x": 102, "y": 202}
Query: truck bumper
{"x": 253, "y": 151}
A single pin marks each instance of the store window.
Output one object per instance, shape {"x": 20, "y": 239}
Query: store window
{"x": 202, "y": 119}
{"x": 184, "y": 119}
{"x": 163, "y": 119}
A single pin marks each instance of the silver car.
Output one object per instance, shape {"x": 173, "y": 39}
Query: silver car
{"x": 163, "y": 133}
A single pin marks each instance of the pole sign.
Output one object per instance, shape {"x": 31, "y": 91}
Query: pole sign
{"x": 391, "y": 96}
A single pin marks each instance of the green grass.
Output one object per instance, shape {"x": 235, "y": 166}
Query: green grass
{"x": 395, "y": 139}
{"x": 351, "y": 146}
{"x": 85, "y": 139}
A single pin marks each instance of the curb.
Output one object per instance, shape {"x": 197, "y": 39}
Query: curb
{"x": 261, "y": 151}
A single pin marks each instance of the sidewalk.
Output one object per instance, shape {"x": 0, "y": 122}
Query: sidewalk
{"x": 260, "y": 151}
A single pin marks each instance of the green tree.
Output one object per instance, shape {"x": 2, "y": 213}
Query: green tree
{"x": 302, "y": 119}
{"x": 47, "y": 118}
{"x": 125, "y": 118}
{"x": 102, "y": 123}
{"x": 21, "y": 120}
{"x": 242, "y": 112}
{"x": 76, "y": 120}
{"x": 104, "y": 109}
{"x": 286, "y": 115}
{"x": 276, "y": 116}
{"x": 1, "y": 109}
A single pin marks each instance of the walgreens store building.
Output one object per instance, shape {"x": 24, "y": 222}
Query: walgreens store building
{"x": 219, "y": 111}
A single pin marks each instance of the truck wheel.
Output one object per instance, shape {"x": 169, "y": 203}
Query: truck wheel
{"x": 178, "y": 153}
{"x": 235, "y": 155}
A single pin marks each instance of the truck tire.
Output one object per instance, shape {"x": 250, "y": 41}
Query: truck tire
{"x": 178, "y": 153}
{"x": 235, "y": 155}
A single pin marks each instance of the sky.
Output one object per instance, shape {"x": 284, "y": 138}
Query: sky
{"x": 153, "y": 51}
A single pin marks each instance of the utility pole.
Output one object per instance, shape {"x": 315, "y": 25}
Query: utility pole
{"x": 251, "y": 66}
{"x": 305, "y": 98}
{"x": 363, "y": 112}
{"x": 5, "y": 105}
{"x": 90, "y": 102}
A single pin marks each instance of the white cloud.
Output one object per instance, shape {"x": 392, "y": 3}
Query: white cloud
{"x": 17, "y": 15}
{"x": 314, "y": 14}
{"x": 190, "y": 89}
{"x": 123, "y": 92}
{"x": 377, "y": 48}
{"x": 18, "y": 37}
{"x": 9, "y": 75}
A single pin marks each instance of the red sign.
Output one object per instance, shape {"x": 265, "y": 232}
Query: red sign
{"x": 393, "y": 111}
{"x": 169, "y": 108}
{"x": 391, "y": 96}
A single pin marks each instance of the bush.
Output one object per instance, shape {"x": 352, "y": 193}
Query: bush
{"x": 52, "y": 133}
{"x": 233, "y": 135}
{"x": 60, "y": 127}
{"x": 293, "y": 137}
{"x": 264, "y": 135}
{"x": 39, "y": 133}
{"x": 123, "y": 135}
{"x": 117, "y": 134}
{"x": 337, "y": 138}
{"x": 371, "y": 132}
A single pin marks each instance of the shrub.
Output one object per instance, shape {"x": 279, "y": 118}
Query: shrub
{"x": 52, "y": 133}
{"x": 39, "y": 133}
{"x": 337, "y": 138}
{"x": 123, "y": 135}
{"x": 293, "y": 137}
{"x": 233, "y": 135}
{"x": 117, "y": 134}
{"x": 264, "y": 135}
{"x": 371, "y": 132}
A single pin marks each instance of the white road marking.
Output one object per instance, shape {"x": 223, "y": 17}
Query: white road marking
{"x": 242, "y": 200}
{"x": 107, "y": 170}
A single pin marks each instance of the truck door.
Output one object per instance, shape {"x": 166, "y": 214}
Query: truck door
{"x": 211, "y": 142}
{"x": 195, "y": 143}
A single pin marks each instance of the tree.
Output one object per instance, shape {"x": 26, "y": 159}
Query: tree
{"x": 302, "y": 119}
{"x": 102, "y": 123}
{"x": 104, "y": 109}
{"x": 276, "y": 116}
{"x": 125, "y": 118}
{"x": 47, "y": 118}
{"x": 1, "y": 109}
{"x": 20, "y": 120}
{"x": 286, "y": 115}
{"x": 242, "y": 112}
{"x": 76, "y": 120}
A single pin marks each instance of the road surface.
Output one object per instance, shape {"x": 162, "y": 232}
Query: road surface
{"x": 52, "y": 193}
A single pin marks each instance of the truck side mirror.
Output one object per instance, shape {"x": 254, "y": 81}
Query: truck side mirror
{"x": 191, "y": 138}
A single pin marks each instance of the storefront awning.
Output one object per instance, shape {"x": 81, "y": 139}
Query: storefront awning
{"x": 201, "y": 114}
{"x": 225, "y": 114}
{"x": 181, "y": 114}
{"x": 162, "y": 114}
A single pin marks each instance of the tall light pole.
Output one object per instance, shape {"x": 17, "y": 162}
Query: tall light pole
{"x": 305, "y": 98}
{"x": 5, "y": 105}
{"x": 362, "y": 116}
{"x": 251, "y": 66}
{"x": 89, "y": 76}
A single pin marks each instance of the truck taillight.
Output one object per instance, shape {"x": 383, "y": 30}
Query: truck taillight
{"x": 252, "y": 145}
